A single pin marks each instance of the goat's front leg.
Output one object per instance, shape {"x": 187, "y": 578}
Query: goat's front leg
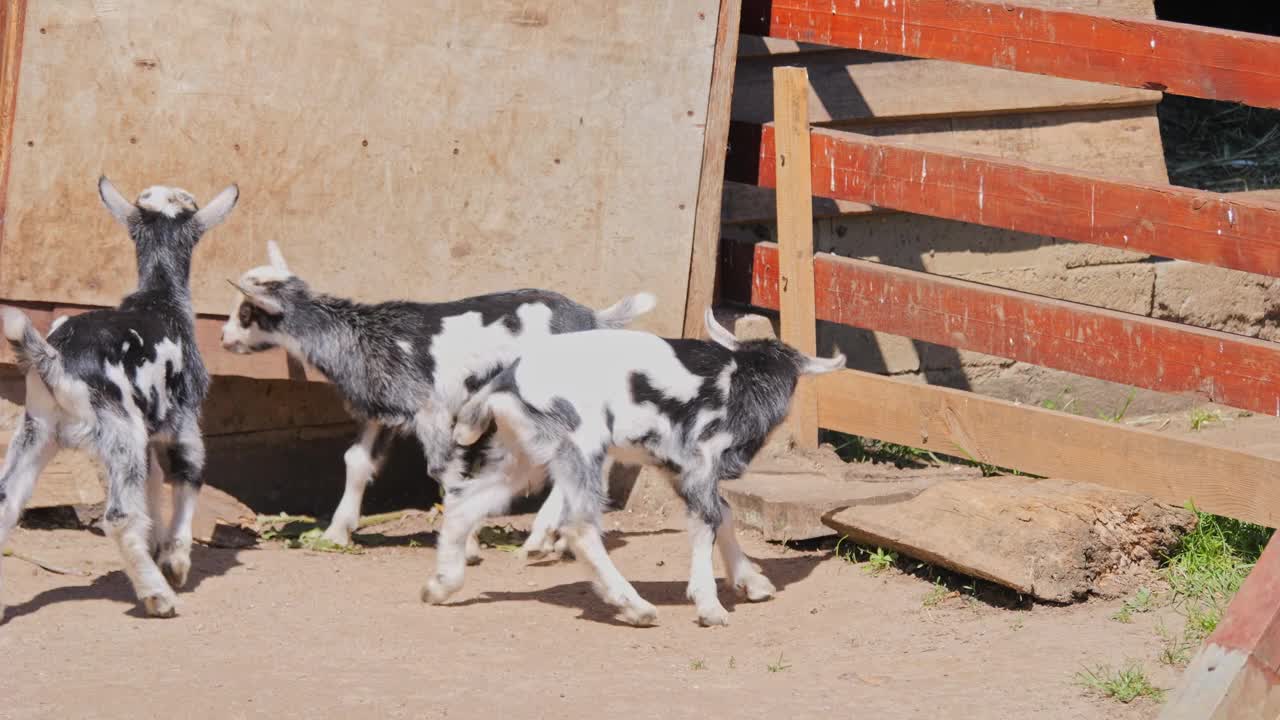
{"x": 186, "y": 474}
{"x": 446, "y": 461}
{"x": 363, "y": 460}
{"x": 742, "y": 574}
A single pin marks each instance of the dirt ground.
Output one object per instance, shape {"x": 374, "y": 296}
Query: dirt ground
{"x": 294, "y": 633}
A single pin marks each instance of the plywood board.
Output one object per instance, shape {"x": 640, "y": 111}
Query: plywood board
{"x": 395, "y": 149}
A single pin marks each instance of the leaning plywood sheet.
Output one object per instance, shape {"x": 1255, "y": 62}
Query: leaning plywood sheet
{"x": 394, "y": 148}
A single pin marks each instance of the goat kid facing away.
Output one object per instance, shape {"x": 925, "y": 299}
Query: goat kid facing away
{"x": 699, "y": 410}
{"x": 125, "y": 384}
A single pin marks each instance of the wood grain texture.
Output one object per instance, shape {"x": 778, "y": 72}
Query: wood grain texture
{"x": 1183, "y": 59}
{"x": 795, "y": 239}
{"x": 1131, "y": 349}
{"x": 1169, "y": 221}
{"x": 424, "y": 150}
{"x": 1043, "y": 442}
{"x": 1236, "y": 673}
{"x": 13, "y": 14}
{"x": 701, "y": 291}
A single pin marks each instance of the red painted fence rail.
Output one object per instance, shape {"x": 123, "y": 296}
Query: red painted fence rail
{"x": 1182, "y": 59}
{"x": 1205, "y": 227}
{"x": 1131, "y": 349}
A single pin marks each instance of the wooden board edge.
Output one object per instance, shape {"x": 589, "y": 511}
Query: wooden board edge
{"x": 701, "y": 289}
{"x": 269, "y": 365}
{"x": 13, "y": 20}
{"x": 1031, "y": 439}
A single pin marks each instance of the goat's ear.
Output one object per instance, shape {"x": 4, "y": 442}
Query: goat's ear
{"x": 218, "y": 208}
{"x": 264, "y": 301}
{"x": 820, "y": 366}
{"x": 718, "y": 333}
{"x": 122, "y": 210}
{"x": 276, "y": 257}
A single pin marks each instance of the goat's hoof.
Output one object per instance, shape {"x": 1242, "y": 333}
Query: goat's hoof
{"x": 642, "y": 615}
{"x": 176, "y": 568}
{"x": 712, "y": 617}
{"x": 160, "y": 606}
{"x": 338, "y": 535}
{"x": 756, "y": 587}
{"x": 434, "y": 592}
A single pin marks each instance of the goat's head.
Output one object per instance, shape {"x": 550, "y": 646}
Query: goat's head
{"x": 264, "y": 295}
{"x": 781, "y": 358}
{"x": 165, "y": 223}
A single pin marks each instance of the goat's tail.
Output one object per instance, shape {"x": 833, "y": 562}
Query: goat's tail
{"x": 623, "y": 312}
{"x": 32, "y": 350}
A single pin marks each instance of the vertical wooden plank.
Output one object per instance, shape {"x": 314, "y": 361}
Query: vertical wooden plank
{"x": 701, "y": 291}
{"x": 795, "y": 237}
{"x": 1236, "y": 674}
{"x": 13, "y": 15}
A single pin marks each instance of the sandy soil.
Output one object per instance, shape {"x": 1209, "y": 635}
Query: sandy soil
{"x": 294, "y": 633}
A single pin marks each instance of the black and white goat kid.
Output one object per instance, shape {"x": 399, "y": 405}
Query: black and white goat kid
{"x": 405, "y": 368}
{"x": 700, "y": 410}
{"x": 125, "y": 384}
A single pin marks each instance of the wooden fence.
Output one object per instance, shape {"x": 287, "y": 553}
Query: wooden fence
{"x": 1237, "y": 670}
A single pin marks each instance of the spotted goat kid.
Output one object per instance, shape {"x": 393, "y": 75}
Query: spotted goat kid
{"x": 125, "y": 384}
{"x": 404, "y": 368}
{"x": 699, "y": 410}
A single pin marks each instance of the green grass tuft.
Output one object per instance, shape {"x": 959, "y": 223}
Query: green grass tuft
{"x": 1201, "y": 417}
{"x": 1125, "y": 685}
{"x": 1143, "y": 601}
{"x": 1209, "y": 565}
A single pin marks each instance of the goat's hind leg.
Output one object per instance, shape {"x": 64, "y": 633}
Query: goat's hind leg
{"x": 698, "y": 488}
{"x": 122, "y": 449}
{"x": 33, "y": 446}
{"x": 186, "y": 469}
{"x": 579, "y": 478}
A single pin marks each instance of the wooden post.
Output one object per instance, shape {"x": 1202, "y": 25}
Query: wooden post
{"x": 1236, "y": 674}
{"x": 795, "y": 238}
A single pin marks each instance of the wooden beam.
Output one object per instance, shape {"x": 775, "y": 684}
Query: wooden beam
{"x": 795, "y": 239}
{"x": 1236, "y": 673}
{"x": 701, "y": 290}
{"x": 13, "y": 16}
{"x": 1044, "y": 442}
{"x": 1159, "y": 355}
{"x": 1182, "y": 59}
{"x": 270, "y": 365}
{"x": 1164, "y": 220}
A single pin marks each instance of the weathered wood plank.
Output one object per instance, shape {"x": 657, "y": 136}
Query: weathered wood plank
{"x": 400, "y": 161}
{"x": 13, "y": 15}
{"x": 1236, "y": 673}
{"x": 1156, "y": 354}
{"x": 1043, "y": 442}
{"x": 1169, "y": 221}
{"x": 273, "y": 364}
{"x": 701, "y": 290}
{"x": 1183, "y": 59}
{"x": 795, "y": 239}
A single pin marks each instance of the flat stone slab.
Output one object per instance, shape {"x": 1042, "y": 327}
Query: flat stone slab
{"x": 1054, "y": 540}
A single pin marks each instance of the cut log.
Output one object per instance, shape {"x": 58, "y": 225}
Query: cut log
{"x": 785, "y": 495}
{"x": 1054, "y": 540}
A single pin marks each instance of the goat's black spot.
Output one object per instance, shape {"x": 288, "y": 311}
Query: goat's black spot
{"x": 608, "y": 420}
{"x": 475, "y": 381}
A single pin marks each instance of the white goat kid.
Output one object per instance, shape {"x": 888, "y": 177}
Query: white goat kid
{"x": 404, "y": 368}
{"x": 700, "y": 410}
{"x": 125, "y": 384}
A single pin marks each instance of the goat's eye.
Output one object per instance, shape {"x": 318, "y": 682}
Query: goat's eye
{"x": 246, "y": 314}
